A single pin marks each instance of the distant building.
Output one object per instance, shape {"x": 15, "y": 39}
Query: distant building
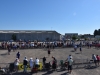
{"x": 70, "y": 35}
{"x": 62, "y": 37}
{"x": 88, "y": 36}
{"x": 97, "y": 37}
{"x": 40, "y": 35}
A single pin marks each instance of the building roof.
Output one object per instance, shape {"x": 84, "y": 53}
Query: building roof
{"x": 71, "y": 33}
{"x": 28, "y": 31}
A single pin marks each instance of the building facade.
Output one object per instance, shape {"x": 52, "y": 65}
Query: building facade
{"x": 41, "y": 35}
{"x": 70, "y": 35}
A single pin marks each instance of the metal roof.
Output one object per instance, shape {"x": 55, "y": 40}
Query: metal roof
{"x": 27, "y": 31}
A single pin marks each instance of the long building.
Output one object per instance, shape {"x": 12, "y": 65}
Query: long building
{"x": 41, "y": 35}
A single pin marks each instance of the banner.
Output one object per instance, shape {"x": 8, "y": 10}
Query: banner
{"x": 21, "y": 66}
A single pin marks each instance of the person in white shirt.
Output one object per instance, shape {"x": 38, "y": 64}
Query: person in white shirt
{"x": 16, "y": 63}
{"x": 70, "y": 56}
{"x": 31, "y": 62}
{"x": 36, "y": 62}
{"x": 70, "y": 63}
{"x": 75, "y": 47}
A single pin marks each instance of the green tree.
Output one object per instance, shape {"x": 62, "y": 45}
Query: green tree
{"x": 95, "y": 32}
{"x": 98, "y": 31}
{"x": 82, "y": 36}
{"x": 86, "y": 39}
{"x": 74, "y": 37}
{"x": 14, "y": 37}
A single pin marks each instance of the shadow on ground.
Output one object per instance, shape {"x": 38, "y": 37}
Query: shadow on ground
{"x": 77, "y": 53}
{"x": 92, "y": 67}
{"x": 72, "y": 51}
{"x": 4, "y": 54}
{"x": 48, "y": 72}
{"x": 64, "y": 74}
{"x": 21, "y": 73}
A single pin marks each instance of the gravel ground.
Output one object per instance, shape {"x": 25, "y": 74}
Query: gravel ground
{"x": 59, "y": 53}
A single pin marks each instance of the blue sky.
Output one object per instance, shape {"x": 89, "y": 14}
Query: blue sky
{"x": 64, "y": 16}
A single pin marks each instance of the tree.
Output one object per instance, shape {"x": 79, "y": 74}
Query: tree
{"x": 82, "y": 36}
{"x": 98, "y": 31}
{"x": 14, "y": 37}
{"x": 95, "y": 32}
{"x": 74, "y": 37}
{"x": 86, "y": 39}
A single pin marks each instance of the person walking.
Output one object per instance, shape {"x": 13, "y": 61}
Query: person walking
{"x": 25, "y": 62}
{"x": 70, "y": 62}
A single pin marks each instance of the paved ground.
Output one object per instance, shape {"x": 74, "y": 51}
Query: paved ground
{"x": 61, "y": 53}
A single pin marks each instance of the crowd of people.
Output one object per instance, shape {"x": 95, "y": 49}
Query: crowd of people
{"x": 34, "y": 63}
{"x": 29, "y": 44}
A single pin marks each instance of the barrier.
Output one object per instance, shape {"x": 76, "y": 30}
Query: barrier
{"x": 21, "y": 66}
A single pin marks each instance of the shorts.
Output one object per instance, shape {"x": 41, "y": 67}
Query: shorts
{"x": 98, "y": 61}
{"x": 95, "y": 61}
{"x": 69, "y": 67}
{"x": 36, "y": 66}
{"x": 16, "y": 66}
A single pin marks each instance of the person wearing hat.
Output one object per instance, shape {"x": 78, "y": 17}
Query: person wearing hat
{"x": 16, "y": 63}
{"x": 25, "y": 63}
{"x": 70, "y": 63}
{"x": 31, "y": 63}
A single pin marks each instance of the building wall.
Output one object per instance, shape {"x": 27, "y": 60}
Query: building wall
{"x": 69, "y": 35}
{"x": 53, "y": 36}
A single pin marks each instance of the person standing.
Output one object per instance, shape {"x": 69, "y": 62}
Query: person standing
{"x": 81, "y": 50}
{"x": 70, "y": 56}
{"x": 31, "y": 62}
{"x": 49, "y": 52}
{"x": 98, "y": 59}
{"x": 16, "y": 63}
{"x": 44, "y": 61}
{"x": 70, "y": 62}
{"x": 18, "y": 55}
{"x": 37, "y": 63}
{"x": 94, "y": 59}
{"x": 54, "y": 63}
{"x": 25, "y": 62}
{"x": 9, "y": 49}
{"x": 75, "y": 47}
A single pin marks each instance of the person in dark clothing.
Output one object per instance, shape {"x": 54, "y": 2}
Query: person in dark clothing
{"x": 25, "y": 62}
{"x": 54, "y": 63}
{"x": 18, "y": 55}
{"x": 9, "y": 49}
{"x": 81, "y": 50}
{"x": 44, "y": 60}
{"x": 49, "y": 52}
